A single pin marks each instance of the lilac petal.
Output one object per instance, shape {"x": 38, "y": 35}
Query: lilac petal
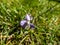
{"x": 32, "y": 26}
{"x": 28, "y": 17}
{"x": 23, "y": 23}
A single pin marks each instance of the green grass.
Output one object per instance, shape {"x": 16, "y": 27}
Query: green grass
{"x": 46, "y": 19}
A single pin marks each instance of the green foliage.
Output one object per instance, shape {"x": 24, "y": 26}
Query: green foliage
{"x": 46, "y": 15}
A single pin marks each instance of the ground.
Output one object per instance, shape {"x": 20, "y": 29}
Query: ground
{"x": 46, "y": 18}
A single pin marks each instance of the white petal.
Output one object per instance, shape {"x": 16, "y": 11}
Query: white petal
{"x": 28, "y": 17}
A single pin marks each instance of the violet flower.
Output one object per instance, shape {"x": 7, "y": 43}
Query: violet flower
{"x": 26, "y": 22}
